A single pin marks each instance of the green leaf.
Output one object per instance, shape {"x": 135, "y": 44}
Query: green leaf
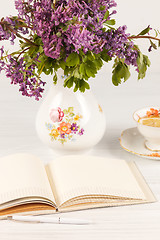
{"x": 142, "y": 62}
{"x": 73, "y": 59}
{"x": 146, "y": 60}
{"x": 127, "y": 74}
{"x": 90, "y": 56}
{"x": 90, "y": 68}
{"x": 110, "y": 22}
{"x": 153, "y": 45}
{"x": 76, "y": 86}
{"x": 89, "y": 72}
{"x": 47, "y": 71}
{"x": 62, "y": 64}
{"x": 76, "y": 73}
{"x": 106, "y": 15}
{"x": 40, "y": 49}
{"x": 121, "y": 71}
{"x": 55, "y": 78}
{"x": 82, "y": 85}
{"x": 68, "y": 82}
{"x": 145, "y": 31}
{"x": 87, "y": 85}
{"x": 66, "y": 71}
{"x": 48, "y": 63}
{"x": 58, "y": 34}
{"x": 102, "y": 8}
{"x": 99, "y": 63}
{"x": 82, "y": 69}
{"x": 105, "y": 56}
{"x": 31, "y": 50}
{"x": 140, "y": 59}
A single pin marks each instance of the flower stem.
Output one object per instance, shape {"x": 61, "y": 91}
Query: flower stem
{"x": 22, "y": 52}
{"x": 16, "y": 33}
{"x": 147, "y": 37}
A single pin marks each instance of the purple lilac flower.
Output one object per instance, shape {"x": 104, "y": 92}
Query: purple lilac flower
{"x": 2, "y": 64}
{"x": 85, "y": 32}
{"x": 150, "y": 48}
{"x": 24, "y": 9}
{"x": 52, "y": 46}
{"x": 79, "y": 38}
{"x": 9, "y": 27}
{"x": 81, "y": 132}
{"x": 6, "y": 35}
{"x": 118, "y": 45}
{"x": 47, "y": 22}
{"x": 19, "y": 74}
{"x": 74, "y": 128}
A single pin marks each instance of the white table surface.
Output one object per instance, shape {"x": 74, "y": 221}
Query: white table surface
{"x": 17, "y": 134}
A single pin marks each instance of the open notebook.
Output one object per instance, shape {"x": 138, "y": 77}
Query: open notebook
{"x": 68, "y": 183}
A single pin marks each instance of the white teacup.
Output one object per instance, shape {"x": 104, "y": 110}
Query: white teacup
{"x": 150, "y": 133}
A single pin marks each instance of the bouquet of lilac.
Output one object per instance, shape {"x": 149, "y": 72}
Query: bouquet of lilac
{"x": 77, "y": 36}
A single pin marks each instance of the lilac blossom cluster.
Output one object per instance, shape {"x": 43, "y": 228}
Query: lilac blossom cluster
{"x": 116, "y": 42}
{"x": 74, "y": 25}
{"x": 10, "y": 28}
{"x": 23, "y": 76}
{"x": 7, "y": 34}
{"x": 15, "y": 68}
{"x": 28, "y": 84}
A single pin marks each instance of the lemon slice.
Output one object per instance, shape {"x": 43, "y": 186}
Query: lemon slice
{"x": 152, "y": 122}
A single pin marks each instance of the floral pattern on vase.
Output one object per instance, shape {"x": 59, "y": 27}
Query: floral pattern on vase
{"x": 65, "y": 125}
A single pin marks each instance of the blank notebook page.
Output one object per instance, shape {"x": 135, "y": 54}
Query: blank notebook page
{"x": 23, "y": 175}
{"x": 87, "y": 175}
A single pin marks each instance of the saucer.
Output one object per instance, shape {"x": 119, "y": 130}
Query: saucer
{"x": 132, "y": 141}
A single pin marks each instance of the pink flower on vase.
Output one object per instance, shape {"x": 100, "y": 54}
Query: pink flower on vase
{"x": 56, "y": 115}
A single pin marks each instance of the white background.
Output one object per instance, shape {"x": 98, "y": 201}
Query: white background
{"x": 17, "y": 133}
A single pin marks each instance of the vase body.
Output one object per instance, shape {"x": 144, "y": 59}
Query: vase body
{"x": 70, "y": 121}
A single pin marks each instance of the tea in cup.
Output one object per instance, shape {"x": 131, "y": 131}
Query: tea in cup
{"x": 148, "y": 124}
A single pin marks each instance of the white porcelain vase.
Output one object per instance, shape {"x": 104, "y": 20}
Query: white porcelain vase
{"x": 70, "y": 121}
